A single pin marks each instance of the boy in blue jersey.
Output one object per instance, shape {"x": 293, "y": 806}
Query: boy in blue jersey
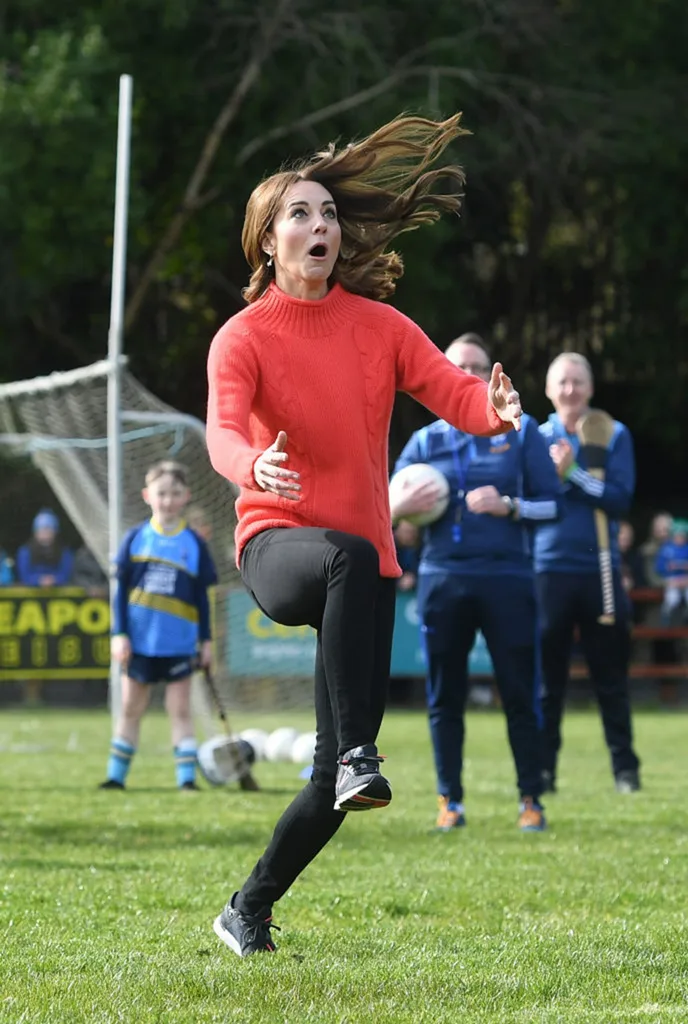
{"x": 161, "y": 616}
{"x": 568, "y": 574}
{"x": 476, "y": 573}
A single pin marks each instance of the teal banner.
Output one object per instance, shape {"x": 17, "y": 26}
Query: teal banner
{"x": 257, "y": 646}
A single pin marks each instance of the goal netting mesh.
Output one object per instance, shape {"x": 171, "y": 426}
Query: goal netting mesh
{"x": 60, "y": 422}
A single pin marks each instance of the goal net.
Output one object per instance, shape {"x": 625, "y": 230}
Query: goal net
{"x": 60, "y": 422}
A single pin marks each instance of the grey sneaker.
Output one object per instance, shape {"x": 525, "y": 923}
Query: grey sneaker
{"x": 359, "y": 785}
{"x": 627, "y": 781}
{"x": 245, "y": 933}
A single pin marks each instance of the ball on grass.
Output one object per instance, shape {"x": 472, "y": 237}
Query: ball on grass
{"x": 279, "y": 743}
{"x": 257, "y": 738}
{"x": 303, "y": 748}
{"x": 218, "y": 761}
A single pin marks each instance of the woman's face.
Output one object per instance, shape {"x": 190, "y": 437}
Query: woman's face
{"x": 45, "y": 535}
{"x": 304, "y": 240}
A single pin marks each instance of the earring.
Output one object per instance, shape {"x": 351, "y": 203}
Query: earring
{"x": 270, "y": 261}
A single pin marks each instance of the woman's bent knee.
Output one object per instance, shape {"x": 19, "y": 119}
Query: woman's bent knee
{"x": 355, "y": 554}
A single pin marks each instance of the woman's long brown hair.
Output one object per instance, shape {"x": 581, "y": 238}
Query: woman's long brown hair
{"x": 383, "y": 185}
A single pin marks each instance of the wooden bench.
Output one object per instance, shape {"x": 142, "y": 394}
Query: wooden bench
{"x": 668, "y": 675}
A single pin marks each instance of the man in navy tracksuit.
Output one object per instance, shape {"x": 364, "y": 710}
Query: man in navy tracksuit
{"x": 476, "y": 573}
{"x": 568, "y": 574}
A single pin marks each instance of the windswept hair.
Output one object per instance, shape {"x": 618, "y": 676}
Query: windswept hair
{"x": 382, "y": 186}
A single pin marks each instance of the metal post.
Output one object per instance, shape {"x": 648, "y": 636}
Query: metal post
{"x": 115, "y": 335}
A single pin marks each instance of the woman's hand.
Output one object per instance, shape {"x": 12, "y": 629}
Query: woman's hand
{"x": 415, "y": 497}
{"x": 270, "y": 474}
{"x": 505, "y": 401}
{"x": 486, "y": 501}
{"x": 120, "y": 648}
{"x": 562, "y": 455}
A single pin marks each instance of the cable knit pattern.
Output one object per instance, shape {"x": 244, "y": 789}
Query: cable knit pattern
{"x": 326, "y": 372}
{"x": 378, "y": 381}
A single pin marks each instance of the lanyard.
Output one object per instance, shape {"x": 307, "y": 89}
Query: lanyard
{"x": 462, "y": 460}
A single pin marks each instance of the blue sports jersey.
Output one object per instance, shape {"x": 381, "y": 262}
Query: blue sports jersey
{"x": 517, "y": 465}
{"x": 672, "y": 560}
{"x": 162, "y": 590}
{"x": 571, "y": 545}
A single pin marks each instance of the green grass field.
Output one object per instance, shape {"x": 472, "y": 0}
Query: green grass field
{"x": 107, "y": 899}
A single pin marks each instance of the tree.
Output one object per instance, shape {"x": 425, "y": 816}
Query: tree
{"x": 575, "y": 174}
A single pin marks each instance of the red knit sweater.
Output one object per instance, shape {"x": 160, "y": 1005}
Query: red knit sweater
{"x": 326, "y": 372}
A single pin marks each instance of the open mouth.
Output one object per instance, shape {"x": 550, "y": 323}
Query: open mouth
{"x": 318, "y": 251}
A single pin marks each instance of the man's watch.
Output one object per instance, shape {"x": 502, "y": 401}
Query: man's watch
{"x": 511, "y": 506}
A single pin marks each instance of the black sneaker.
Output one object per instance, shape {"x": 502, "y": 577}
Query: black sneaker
{"x": 189, "y": 787}
{"x": 245, "y": 933}
{"x": 549, "y": 784}
{"x": 359, "y": 785}
{"x": 627, "y": 781}
{"x": 111, "y": 784}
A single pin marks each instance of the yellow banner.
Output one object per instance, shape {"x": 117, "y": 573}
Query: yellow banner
{"x": 53, "y": 633}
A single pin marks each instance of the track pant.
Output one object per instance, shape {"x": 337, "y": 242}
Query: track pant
{"x": 567, "y": 600}
{"x": 331, "y": 581}
{"x": 451, "y": 609}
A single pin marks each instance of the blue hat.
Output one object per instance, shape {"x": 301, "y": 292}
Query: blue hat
{"x": 46, "y": 519}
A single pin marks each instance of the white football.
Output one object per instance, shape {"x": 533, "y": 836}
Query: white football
{"x": 219, "y": 763}
{"x": 303, "y": 748}
{"x": 420, "y": 472}
{"x": 257, "y": 738}
{"x": 279, "y": 743}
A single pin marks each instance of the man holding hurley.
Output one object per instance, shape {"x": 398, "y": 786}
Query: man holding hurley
{"x": 577, "y": 565}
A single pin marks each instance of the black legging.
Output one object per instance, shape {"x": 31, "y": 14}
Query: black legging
{"x": 331, "y": 581}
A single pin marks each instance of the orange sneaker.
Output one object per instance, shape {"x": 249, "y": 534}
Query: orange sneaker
{"x": 450, "y": 815}
{"x": 531, "y": 816}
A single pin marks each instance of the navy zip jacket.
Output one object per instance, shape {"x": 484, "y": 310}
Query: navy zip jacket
{"x": 517, "y": 464}
{"x": 571, "y": 545}
{"x": 29, "y": 573}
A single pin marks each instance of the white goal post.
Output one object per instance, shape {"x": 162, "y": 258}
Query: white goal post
{"x": 94, "y": 431}
{"x": 60, "y": 422}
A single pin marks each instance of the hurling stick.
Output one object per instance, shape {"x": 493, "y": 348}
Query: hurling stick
{"x": 242, "y": 768}
{"x": 595, "y": 430}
